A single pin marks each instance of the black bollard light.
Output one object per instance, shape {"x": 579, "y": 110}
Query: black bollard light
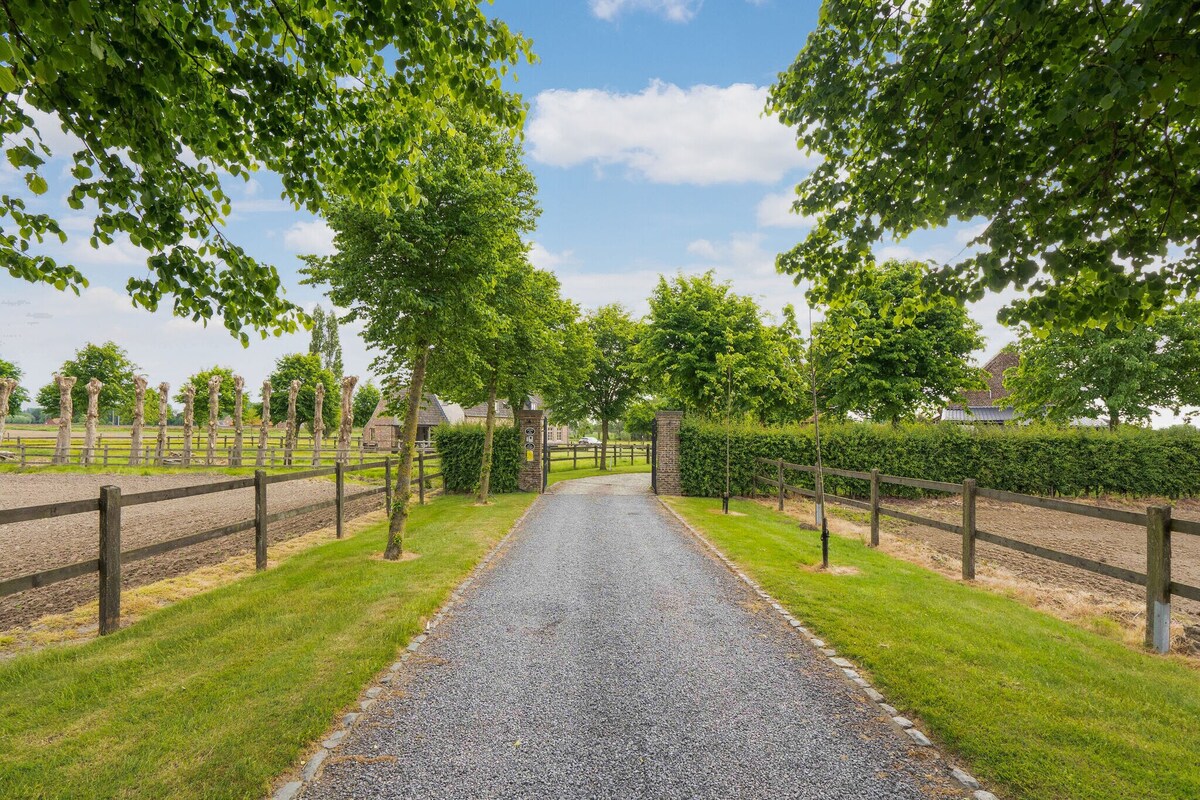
{"x": 824, "y": 543}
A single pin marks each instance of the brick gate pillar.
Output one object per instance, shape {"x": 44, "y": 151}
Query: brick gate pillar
{"x": 667, "y": 462}
{"x": 529, "y": 429}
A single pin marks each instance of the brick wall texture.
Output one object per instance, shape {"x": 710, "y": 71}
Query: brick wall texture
{"x": 667, "y": 471}
{"x": 530, "y": 477}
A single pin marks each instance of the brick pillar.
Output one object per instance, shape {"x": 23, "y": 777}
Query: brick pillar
{"x": 667, "y": 439}
{"x": 529, "y": 428}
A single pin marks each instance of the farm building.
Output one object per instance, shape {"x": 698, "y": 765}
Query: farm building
{"x": 383, "y": 430}
{"x": 981, "y": 406}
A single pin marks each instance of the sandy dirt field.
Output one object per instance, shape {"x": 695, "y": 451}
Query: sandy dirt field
{"x": 32, "y": 546}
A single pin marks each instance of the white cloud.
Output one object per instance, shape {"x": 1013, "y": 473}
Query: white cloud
{"x": 543, "y": 258}
{"x": 703, "y": 135}
{"x": 775, "y": 211}
{"x": 310, "y": 238}
{"x": 673, "y": 10}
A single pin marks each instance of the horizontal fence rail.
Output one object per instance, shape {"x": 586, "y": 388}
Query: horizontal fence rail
{"x": 111, "y": 503}
{"x": 1156, "y": 521}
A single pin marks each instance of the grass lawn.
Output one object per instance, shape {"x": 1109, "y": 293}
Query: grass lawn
{"x": 1035, "y": 706}
{"x": 591, "y": 472}
{"x": 216, "y": 695}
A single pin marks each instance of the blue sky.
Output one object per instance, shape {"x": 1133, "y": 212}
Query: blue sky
{"x": 647, "y": 138}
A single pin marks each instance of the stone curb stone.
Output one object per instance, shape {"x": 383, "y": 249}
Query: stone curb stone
{"x": 288, "y": 791}
{"x": 921, "y": 739}
{"x": 334, "y": 740}
{"x": 314, "y": 764}
{"x": 903, "y": 722}
{"x": 963, "y": 778}
{"x": 982, "y": 795}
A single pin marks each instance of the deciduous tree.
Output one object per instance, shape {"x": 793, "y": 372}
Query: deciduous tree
{"x": 17, "y": 396}
{"x": 365, "y": 401}
{"x": 1108, "y": 373}
{"x": 199, "y": 382}
{"x": 613, "y": 378}
{"x": 891, "y": 350}
{"x": 163, "y": 100}
{"x": 307, "y": 369}
{"x": 413, "y": 276}
{"x": 1072, "y": 128}
{"x": 109, "y": 364}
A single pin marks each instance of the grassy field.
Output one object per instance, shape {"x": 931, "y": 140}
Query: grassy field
{"x": 1035, "y": 706}
{"x": 216, "y": 695}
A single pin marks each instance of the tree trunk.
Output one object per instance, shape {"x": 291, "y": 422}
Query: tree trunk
{"x": 1114, "y": 419}
{"x": 7, "y": 387}
{"x": 399, "y": 513}
{"x": 289, "y": 442}
{"x": 160, "y": 446}
{"x": 214, "y": 408}
{"x": 93, "y": 416}
{"x": 239, "y": 388}
{"x": 189, "y": 422}
{"x": 264, "y": 430}
{"x": 139, "y": 420}
{"x": 346, "y": 424}
{"x": 66, "y": 410}
{"x": 604, "y": 444}
{"x": 318, "y": 424}
{"x": 489, "y": 430}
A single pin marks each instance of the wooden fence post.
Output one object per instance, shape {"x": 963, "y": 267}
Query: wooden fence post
{"x": 260, "y": 520}
{"x": 574, "y": 457}
{"x": 968, "y": 529}
{"x": 110, "y": 559}
{"x": 340, "y": 501}
{"x": 1158, "y": 578}
{"x": 387, "y": 482}
{"x": 595, "y": 456}
{"x": 421, "y": 476}
{"x": 21, "y": 445}
{"x": 780, "y": 476}
{"x": 105, "y": 455}
{"x": 874, "y": 508}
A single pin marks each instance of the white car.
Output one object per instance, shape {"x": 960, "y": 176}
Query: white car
{"x": 588, "y": 440}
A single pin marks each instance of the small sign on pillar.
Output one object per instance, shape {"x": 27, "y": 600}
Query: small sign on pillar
{"x": 530, "y": 425}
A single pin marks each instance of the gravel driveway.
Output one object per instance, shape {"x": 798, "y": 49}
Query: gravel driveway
{"x": 606, "y": 656}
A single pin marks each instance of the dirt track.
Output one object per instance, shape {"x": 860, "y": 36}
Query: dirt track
{"x": 32, "y": 546}
{"x": 1114, "y": 543}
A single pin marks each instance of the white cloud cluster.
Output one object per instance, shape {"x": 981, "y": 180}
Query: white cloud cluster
{"x": 314, "y": 237}
{"x": 673, "y": 10}
{"x": 775, "y": 211}
{"x": 702, "y": 135}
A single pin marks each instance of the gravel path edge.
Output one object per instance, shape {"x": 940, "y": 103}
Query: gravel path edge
{"x": 309, "y": 769}
{"x": 848, "y": 668}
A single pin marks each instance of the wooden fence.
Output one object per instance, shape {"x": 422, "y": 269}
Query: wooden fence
{"x": 108, "y": 506}
{"x": 617, "y": 454}
{"x": 1156, "y": 521}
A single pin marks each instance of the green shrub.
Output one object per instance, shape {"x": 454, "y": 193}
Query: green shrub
{"x": 1029, "y": 459}
{"x": 461, "y": 451}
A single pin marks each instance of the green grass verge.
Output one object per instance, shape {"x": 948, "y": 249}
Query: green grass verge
{"x": 570, "y": 474}
{"x": 1034, "y": 705}
{"x": 215, "y": 696}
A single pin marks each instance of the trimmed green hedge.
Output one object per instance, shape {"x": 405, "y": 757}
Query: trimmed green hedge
{"x": 1031, "y": 460}
{"x": 461, "y": 451}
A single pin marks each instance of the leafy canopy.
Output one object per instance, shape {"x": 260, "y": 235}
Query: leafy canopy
{"x": 224, "y": 395}
{"x": 108, "y": 363}
{"x": 893, "y": 350}
{"x": 611, "y": 379}
{"x": 698, "y": 333}
{"x": 364, "y": 403}
{"x": 1070, "y": 127}
{"x": 1109, "y": 373}
{"x": 19, "y": 395}
{"x": 419, "y": 275}
{"x": 161, "y": 100}
{"x": 325, "y": 341}
{"x": 307, "y": 369}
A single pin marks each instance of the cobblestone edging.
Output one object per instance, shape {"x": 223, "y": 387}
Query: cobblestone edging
{"x": 312, "y": 767}
{"x": 902, "y": 724}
